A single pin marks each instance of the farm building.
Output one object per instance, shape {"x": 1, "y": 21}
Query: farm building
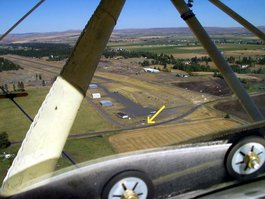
{"x": 151, "y": 70}
{"x": 105, "y": 103}
{"x": 96, "y": 95}
{"x": 93, "y": 86}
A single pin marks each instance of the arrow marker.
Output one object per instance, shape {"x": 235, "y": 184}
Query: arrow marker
{"x": 151, "y": 120}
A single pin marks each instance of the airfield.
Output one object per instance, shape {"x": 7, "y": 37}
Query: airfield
{"x": 197, "y": 105}
{"x": 186, "y": 116}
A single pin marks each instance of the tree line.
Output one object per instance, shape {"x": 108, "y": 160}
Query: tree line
{"x": 16, "y": 87}
{"x": 53, "y": 51}
{"x": 4, "y": 141}
{"x": 56, "y": 52}
{"x": 6, "y": 65}
{"x": 195, "y": 64}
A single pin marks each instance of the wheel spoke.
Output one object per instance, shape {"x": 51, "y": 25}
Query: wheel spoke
{"x": 240, "y": 162}
{"x": 116, "y": 196}
{"x": 242, "y": 153}
{"x": 124, "y": 186}
{"x": 135, "y": 186}
{"x": 246, "y": 167}
{"x": 252, "y": 148}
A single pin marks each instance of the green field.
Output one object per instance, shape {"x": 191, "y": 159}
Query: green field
{"x": 16, "y": 124}
{"x": 164, "y": 49}
{"x": 80, "y": 150}
{"x": 12, "y": 120}
{"x": 88, "y": 148}
{"x": 6, "y": 163}
{"x": 167, "y": 49}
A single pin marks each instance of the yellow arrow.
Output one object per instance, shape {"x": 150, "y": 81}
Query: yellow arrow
{"x": 150, "y": 120}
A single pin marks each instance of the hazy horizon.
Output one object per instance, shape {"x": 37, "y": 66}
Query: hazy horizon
{"x": 124, "y": 29}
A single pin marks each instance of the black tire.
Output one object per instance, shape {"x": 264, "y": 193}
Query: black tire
{"x": 234, "y": 150}
{"x": 127, "y": 174}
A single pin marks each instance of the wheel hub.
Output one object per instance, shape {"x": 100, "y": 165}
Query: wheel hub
{"x": 252, "y": 160}
{"x": 129, "y": 194}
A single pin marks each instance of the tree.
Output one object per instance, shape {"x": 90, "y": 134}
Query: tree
{"x": 194, "y": 60}
{"x": 145, "y": 63}
{"x": 6, "y": 87}
{"x": 4, "y": 142}
{"x": 218, "y": 74}
{"x": 22, "y": 86}
{"x": 14, "y": 87}
{"x": 6, "y": 65}
{"x": 231, "y": 59}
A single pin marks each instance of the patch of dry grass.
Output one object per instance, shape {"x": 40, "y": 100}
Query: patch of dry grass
{"x": 167, "y": 135}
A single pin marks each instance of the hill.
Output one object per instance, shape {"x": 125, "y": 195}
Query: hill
{"x": 71, "y": 36}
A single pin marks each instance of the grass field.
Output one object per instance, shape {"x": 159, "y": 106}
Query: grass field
{"x": 167, "y": 135}
{"x": 88, "y": 148}
{"x": 16, "y": 124}
{"x": 12, "y": 120}
{"x": 80, "y": 150}
{"x": 6, "y": 163}
{"x": 145, "y": 93}
{"x": 173, "y": 49}
{"x": 153, "y": 95}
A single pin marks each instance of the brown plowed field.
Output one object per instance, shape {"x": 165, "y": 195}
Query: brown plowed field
{"x": 217, "y": 87}
{"x": 233, "y": 107}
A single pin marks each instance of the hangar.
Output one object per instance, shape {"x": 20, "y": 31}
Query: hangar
{"x": 105, "y": 103}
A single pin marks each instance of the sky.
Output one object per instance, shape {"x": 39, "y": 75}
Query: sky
{"x": 63, "y": 15}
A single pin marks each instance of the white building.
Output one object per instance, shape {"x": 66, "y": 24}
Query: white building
{"x": 93, "y": 86}
{"x": 244, "y": 66}
{"x": 151, "y": 70}
{"x": 105, "y": 103}
{"x": 96, "y": 95}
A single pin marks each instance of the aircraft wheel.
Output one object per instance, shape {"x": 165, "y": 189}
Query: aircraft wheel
{"x": 129, "y": 185}
{"x": 246, "y": 158}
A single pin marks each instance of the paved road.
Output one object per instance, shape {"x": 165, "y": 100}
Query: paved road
{"x": 98, "y": 133}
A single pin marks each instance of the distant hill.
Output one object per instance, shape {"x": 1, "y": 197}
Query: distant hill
{"x": 53, "y": 37}
{"x": 185, "y": 30}
{"x": 72, "y": 35}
